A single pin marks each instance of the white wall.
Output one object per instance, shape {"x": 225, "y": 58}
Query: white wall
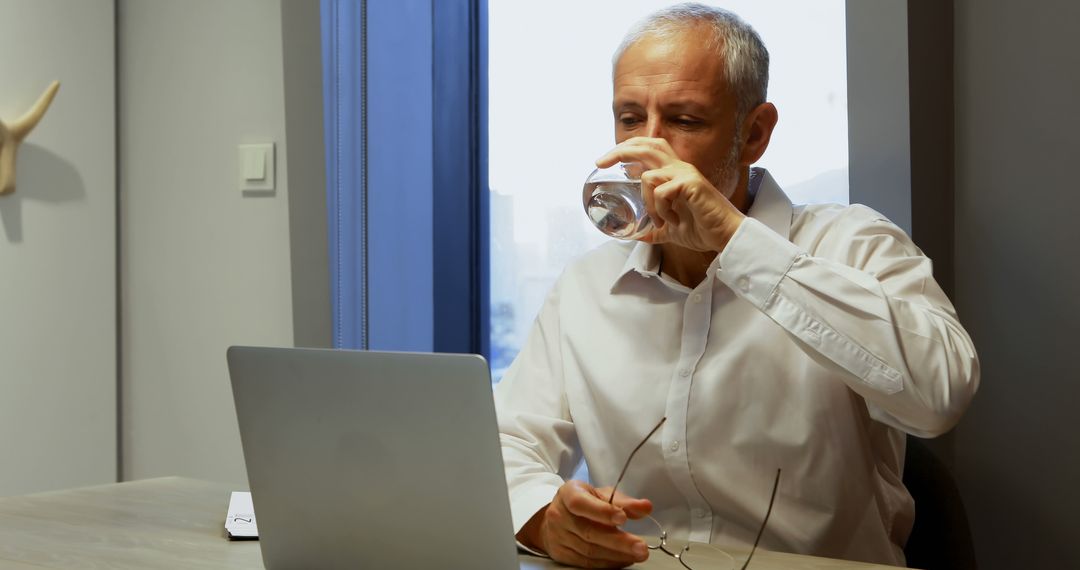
{"x": 203, "y": 266}
{"x": 57, "y": 250}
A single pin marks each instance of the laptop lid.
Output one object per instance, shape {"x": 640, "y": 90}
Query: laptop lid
{"x": 372, "y": 459}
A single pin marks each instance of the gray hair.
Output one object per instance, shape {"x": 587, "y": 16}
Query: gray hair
{"x": 746, "y": 61}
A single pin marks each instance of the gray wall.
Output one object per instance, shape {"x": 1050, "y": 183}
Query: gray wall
{"x": 301, "y": 35}
{"x": 203, "y": 265}
{"x": 57, "y": 250}
{"x": 1017, "y": 452}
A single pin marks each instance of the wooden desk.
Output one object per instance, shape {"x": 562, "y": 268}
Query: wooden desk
{"x": 179, "y": 523}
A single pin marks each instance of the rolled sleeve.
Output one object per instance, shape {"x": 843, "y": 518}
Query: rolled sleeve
{"x": 526, "y": 501}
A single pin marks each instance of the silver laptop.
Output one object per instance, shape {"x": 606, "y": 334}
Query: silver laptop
{"x": 372, "y": 459}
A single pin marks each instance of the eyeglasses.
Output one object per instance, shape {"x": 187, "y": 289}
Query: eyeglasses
{"x": 695, "y": 553}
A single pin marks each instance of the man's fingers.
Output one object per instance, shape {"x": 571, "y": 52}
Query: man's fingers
{"x": 648, "y": 156}
{"x": 581, "y": 499}
{"x": 616, "y": 546}
{"x": 634, "y": 507}
{"x": 664, "y": 197}
{"x": 607, "y": 537}
{"x": 650, "y": 202}
{"x": 649, "y": 151}
{"x": 580, "y": 528}
{"x": 649, "y": 181}
{"x": 658, "y": 144}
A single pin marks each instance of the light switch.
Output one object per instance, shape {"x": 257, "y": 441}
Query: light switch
{"x": 256, "y": 166}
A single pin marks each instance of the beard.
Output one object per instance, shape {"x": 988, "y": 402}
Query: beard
{"x": 726, "y": 176}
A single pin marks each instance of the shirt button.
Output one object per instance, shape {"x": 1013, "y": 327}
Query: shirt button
{"x": 684, "y": 372}
{"x": 697, "y": 297}
{"x": 674, "y": 446}
{"x": 744, "y": 284}
{"x": 700, "y": 513}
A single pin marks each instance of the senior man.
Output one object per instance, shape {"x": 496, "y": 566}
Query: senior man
{"x": 805, "y": 338}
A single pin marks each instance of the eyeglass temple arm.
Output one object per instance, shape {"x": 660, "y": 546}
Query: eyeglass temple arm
{"x": 768, "y": 511}
{"x": 632, "y": 453}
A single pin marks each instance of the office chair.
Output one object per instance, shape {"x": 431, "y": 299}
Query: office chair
{"x": 940, "y": 537}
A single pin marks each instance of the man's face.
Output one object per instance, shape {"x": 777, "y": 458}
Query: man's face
{"x": 674, "y": 89}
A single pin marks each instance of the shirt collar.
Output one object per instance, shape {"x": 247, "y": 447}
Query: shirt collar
{"x": 771, "y": 207}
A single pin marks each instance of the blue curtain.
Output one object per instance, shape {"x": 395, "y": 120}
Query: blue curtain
{"x": 405, "y": 98}
{"x": 345, "y": 131}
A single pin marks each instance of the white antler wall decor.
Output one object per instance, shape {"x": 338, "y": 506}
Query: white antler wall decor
{"x": 12, "y": 135}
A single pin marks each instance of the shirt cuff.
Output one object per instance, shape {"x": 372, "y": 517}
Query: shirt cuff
{"x": 529, "y": 550}
{"x": 527, "y": 502}
{"x": 755, "y": 260}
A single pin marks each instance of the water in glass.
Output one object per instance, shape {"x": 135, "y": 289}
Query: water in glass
{"x": 614, "y": 204}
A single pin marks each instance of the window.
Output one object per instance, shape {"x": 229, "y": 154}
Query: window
{"x": 549, "y": 117}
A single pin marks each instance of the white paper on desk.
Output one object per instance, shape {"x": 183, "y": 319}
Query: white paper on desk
{"x": 240, "y": 521}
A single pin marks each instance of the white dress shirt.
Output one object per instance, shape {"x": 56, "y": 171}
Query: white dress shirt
{"x": 818, "y": 338}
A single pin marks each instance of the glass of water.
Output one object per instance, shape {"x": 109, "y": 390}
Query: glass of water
{"x": 613, "y": 201}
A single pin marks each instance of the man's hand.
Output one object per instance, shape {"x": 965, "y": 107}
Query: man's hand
{"x": 686, "y": 208}
{"x": 580, "y": 528}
